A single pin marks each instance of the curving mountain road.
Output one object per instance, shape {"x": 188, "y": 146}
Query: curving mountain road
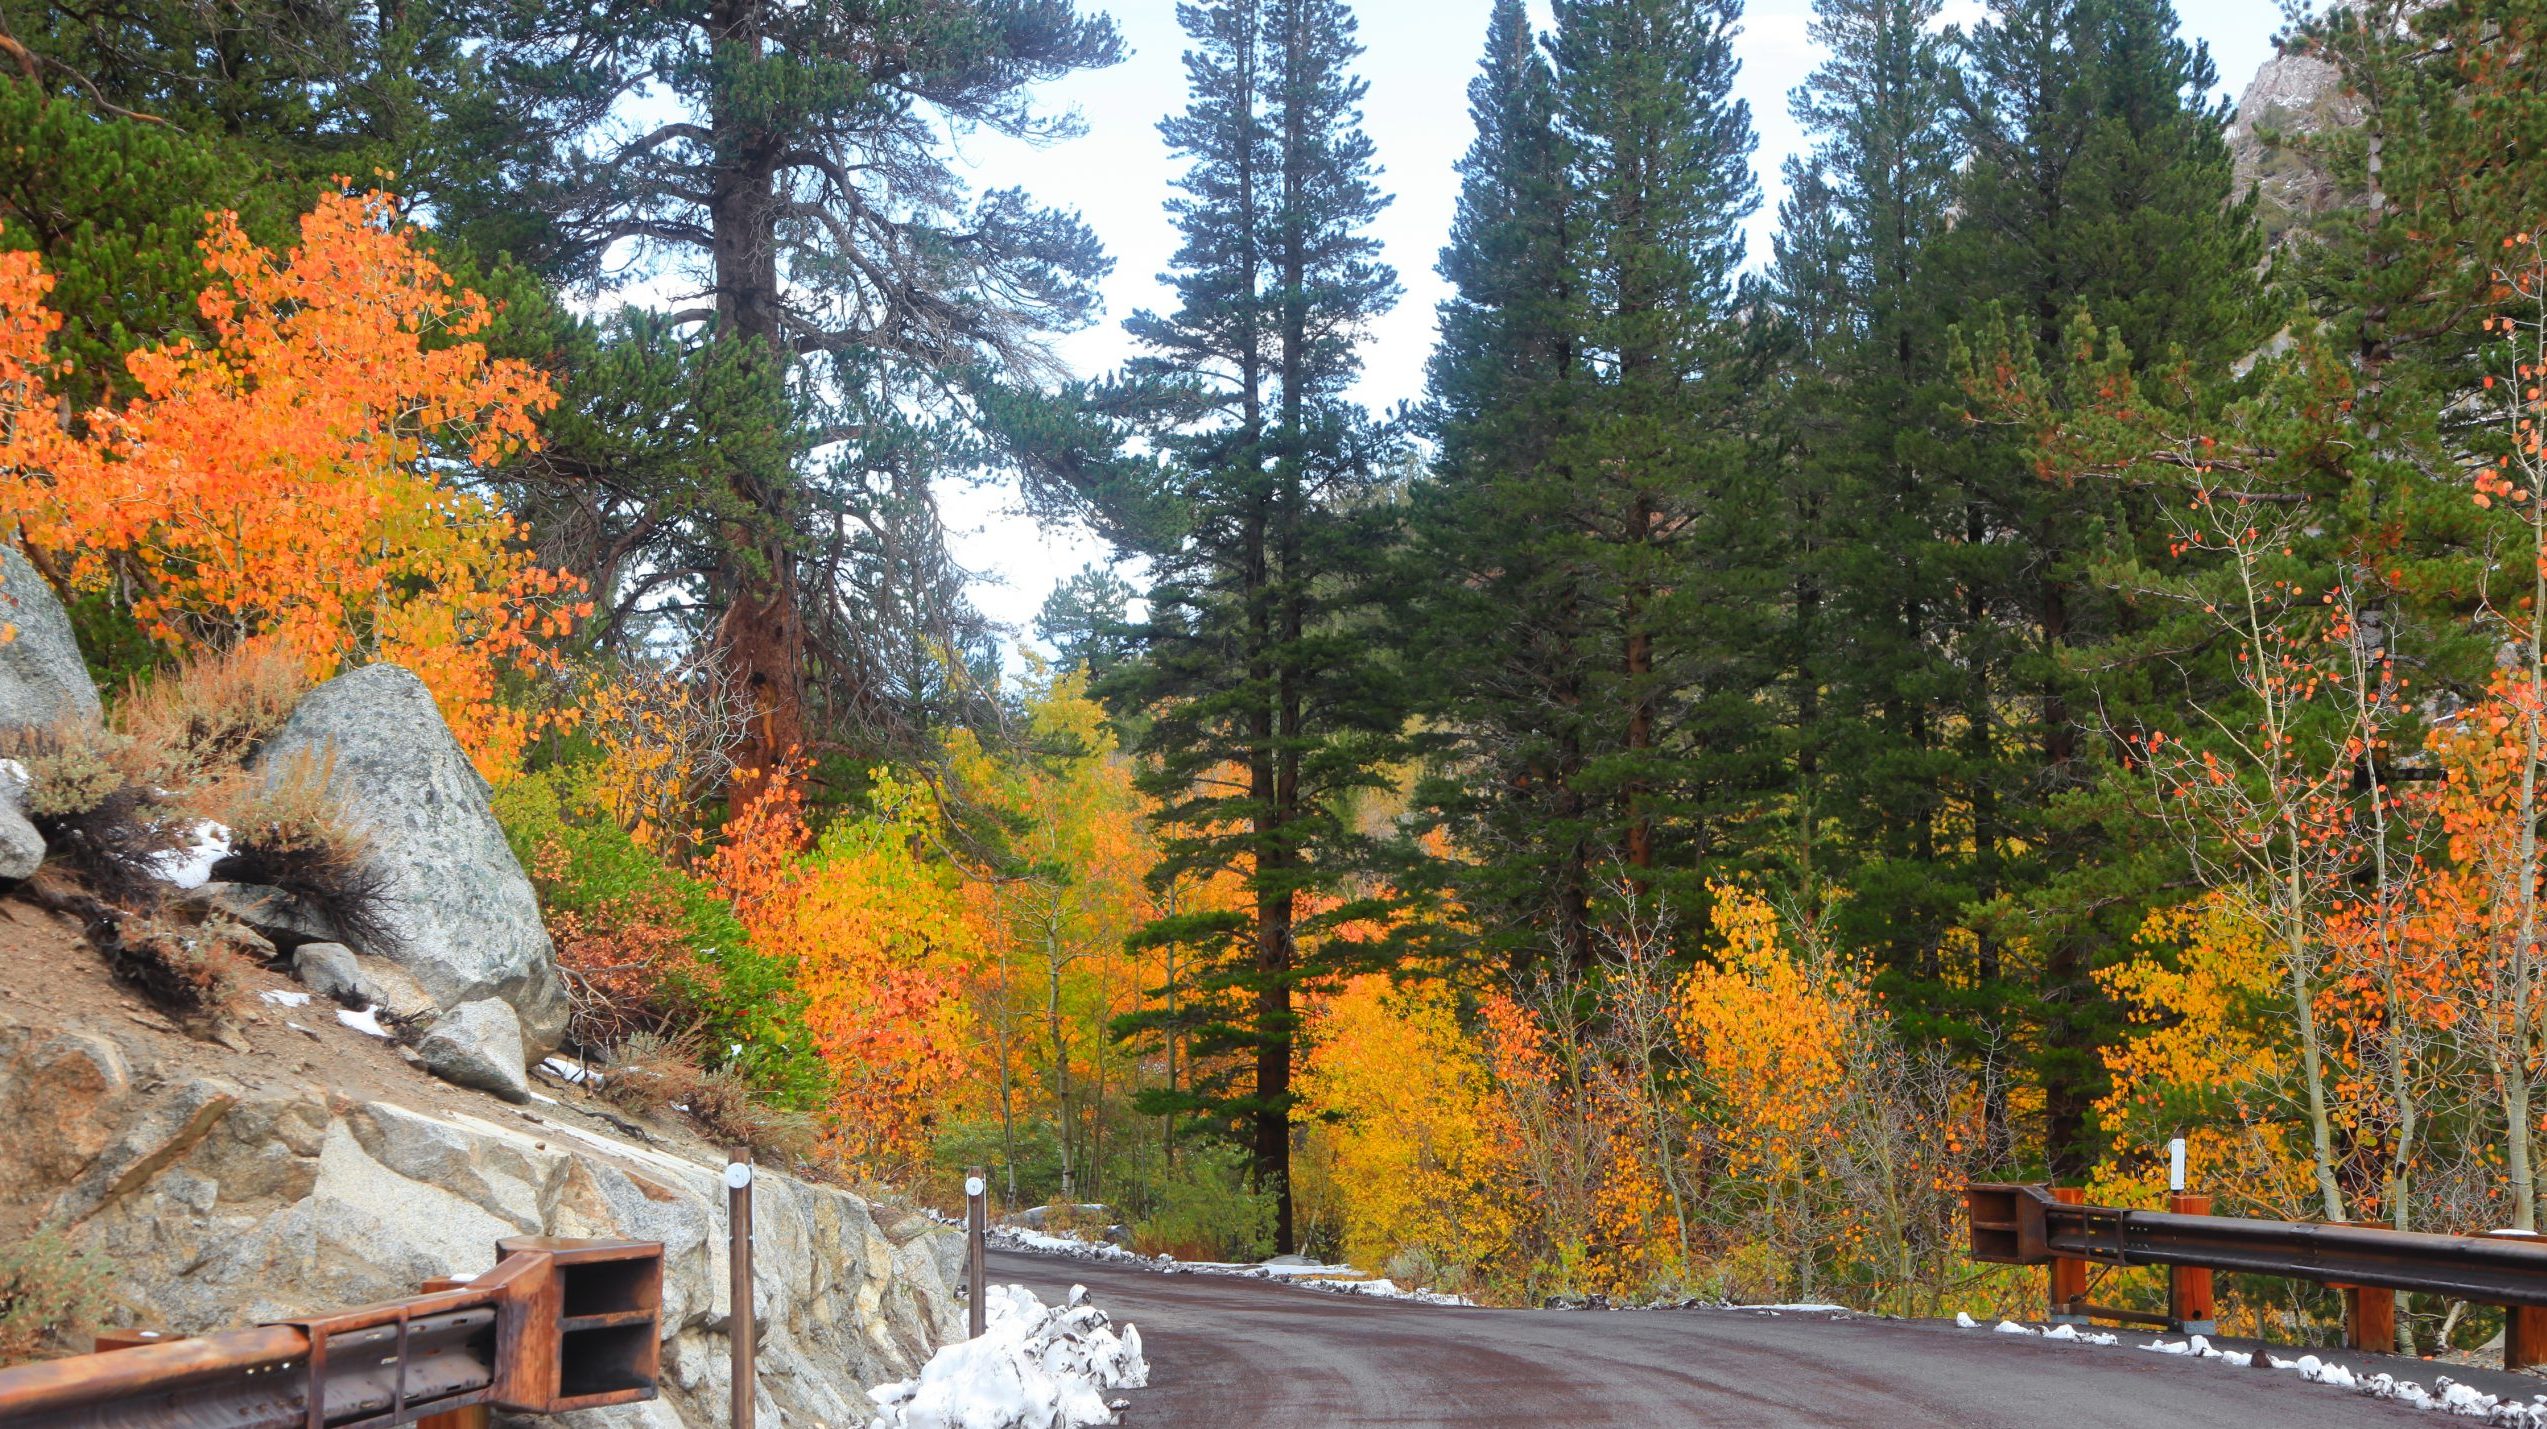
{"x": 1235, "y": 1352}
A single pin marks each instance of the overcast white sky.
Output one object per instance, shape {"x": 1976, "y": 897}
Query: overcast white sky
{"x": 1418, "y": 57}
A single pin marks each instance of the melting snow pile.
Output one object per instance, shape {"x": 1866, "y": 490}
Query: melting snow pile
{"x": 207, "y": 843}
{"x": 2067, "y": 1334}
{"x": 1340, "y": 1279}
{"x": 1034, "y": 1367}
{"x": 1045, "y": 1243}
{"x": 2449, "y": 1396}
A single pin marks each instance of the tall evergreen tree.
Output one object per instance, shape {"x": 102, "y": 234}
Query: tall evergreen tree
{"x": 1496, "y": 612}
{"x": 1663, "y": 519}
{"x": 2099, "y": 181}
{"x": 1269, "y": 706}
{"x": 1873, "y": 583}
{"x": 844, "y": 271}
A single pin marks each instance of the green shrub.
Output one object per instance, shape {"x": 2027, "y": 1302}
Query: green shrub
{"x": 598, "y": 885}
{"x": 1206, "y": 1210}
{"x": 49, "y": 1293}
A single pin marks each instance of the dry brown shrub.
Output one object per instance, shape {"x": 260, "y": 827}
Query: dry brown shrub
{"x": 286, "y": 832}
{"x": 193, "y": 970}
{"x": 209, "y": 714}
{"x": 84, "y": 797}
{"x": 650, "y": 1072}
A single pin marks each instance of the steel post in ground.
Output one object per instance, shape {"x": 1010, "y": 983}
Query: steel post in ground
{"x": 2068, "y": 1277}
{"x": 976, "y": 1264}
{"x": 2370, "y": 1318}
{"x": 738, "y": 1216}
{"x": 2189, "y": 1301}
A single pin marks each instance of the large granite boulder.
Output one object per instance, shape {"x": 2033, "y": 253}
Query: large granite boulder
{"x": 224, "y": 1202}
{"x": 43, "y": 682}
{"x": 460, "y": 915}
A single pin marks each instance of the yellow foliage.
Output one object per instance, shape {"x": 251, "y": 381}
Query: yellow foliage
{"x": 1772, "y": 1030}
{"x": 2198, "y": 1046}
{"x": 1417, "y": 1129}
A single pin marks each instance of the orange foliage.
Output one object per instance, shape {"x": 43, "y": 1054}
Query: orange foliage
{"x": 875, "y": 934}
{"x": 283, "y": 479}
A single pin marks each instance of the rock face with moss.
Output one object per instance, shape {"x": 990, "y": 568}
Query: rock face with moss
{"x": 42, "y": 680}
{"x": 456, "y": 912}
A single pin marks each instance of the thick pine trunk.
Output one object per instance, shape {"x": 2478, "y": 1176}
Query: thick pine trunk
{"x": 760, "y": 641}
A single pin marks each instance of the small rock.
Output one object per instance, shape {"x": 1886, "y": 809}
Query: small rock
{"x": 334, "y": 970}
{"x": 21, "y": 847}
{"x": 231, "y": 1037}
{"x": 282, "y": 917}
{"x": 479, "y": 1044}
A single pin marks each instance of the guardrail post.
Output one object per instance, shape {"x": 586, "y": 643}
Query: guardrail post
{"x": 976, "y": 1265}
{"x": 2189, "y": 1301}
{"x": 2068, "y": 1277}
{"x": 2524, "y": 1336}
{"x": 2370, "y": 1318}
{"x": 740, "y": 1335}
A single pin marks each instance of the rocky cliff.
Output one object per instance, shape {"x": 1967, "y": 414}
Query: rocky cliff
{"x": 282, "y": 1155}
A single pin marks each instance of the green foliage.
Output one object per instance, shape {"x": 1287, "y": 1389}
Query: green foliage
{"x": 1206, "y": 1209}
{"x": 116, "y": 207}
{"x": 49, "y": 1294}
{"x": 741, "y": 1006}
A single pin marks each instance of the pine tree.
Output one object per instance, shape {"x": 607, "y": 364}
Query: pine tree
{"x": 2099, "y": 182}
{"x": 847, "y": 273}
{"x": 1876, "y": 585}
{"x": 1663, "y": 517}
{"x": 1268, "y": 705}
{"x": 1496, "y": 616}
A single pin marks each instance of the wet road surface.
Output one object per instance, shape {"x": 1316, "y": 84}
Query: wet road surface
{"x": 1239, "y": 1352}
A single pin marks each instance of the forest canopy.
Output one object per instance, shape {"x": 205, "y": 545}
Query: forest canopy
{"x": 2042, "y": 659}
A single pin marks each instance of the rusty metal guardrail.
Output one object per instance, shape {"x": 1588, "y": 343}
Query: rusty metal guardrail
{"x": 2034, "y": 1225}
{"x": 557, "y": 1325}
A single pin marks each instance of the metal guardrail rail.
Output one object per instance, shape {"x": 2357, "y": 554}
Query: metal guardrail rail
{"x": 557, "y": 1325}
{"x": 2032, "y": 1225}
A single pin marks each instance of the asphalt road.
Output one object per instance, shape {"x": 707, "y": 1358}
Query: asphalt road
{"x": 1237, "y": 1352}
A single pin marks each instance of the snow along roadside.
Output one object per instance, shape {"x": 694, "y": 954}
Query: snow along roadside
{"x": 2449, "y": 1396}
{"x": 1334, "y": 1279}
{"x": 1033, "y": 1367}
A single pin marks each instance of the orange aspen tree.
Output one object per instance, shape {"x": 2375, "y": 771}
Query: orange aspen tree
{"x": 289, "y": 477}
{"x": 874, "y": 931}
{"x": 2516, "y": 478}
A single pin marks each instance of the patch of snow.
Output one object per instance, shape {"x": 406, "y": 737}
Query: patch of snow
{"x": 1046, "y": 1243}
{"x": 1034, "y": 1367}
{"x": 2010, "y": 1327}
{"x": 366, "y": 1021}
{"x": 191, "y": 867}
{"x": 575, "y": 1073}
{"x": 552, "y": 1101}
{"x": 2447, "y": 1396}
{"x": 2074, "y": 1335}
{"x": 1807, "y": 1307}
{"x": 1294, "y": 1270}
{"x": 1963, "y": 1321}
{"x": 281, "y": 997}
